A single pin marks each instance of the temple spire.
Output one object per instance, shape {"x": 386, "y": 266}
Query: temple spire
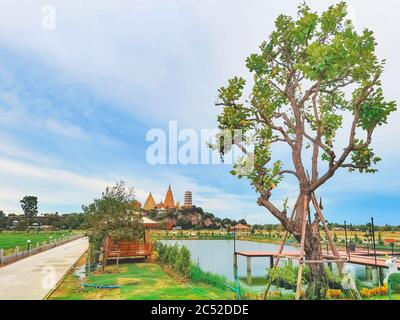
{"x": 150, "y": 204}
{"x": 169, "y": 199}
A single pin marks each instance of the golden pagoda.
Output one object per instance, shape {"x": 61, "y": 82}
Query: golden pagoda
{"x": 160, "y": 205}
{"x": 150, "y": 204}
{"x": 169, "y": 199}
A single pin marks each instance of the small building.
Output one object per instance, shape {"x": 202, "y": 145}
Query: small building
{"x": 130, "y": 249}
{"x": 241, "y": 227}
{"x": 46, "y": 227}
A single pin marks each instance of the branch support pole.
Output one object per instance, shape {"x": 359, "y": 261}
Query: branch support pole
{"x": 327, "y": 232}
{"x": 303, "y": 236}
{"x": 282, "y": 245}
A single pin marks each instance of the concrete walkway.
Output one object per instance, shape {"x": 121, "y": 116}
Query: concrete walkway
{"x": 33, "y": 277}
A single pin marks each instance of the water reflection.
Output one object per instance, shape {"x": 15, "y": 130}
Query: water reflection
{"x": 217, "y": 256}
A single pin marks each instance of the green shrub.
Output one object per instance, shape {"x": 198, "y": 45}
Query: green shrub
{"x": 167, "y": 258}
{"x": 182, "y": 263}
{"x": 284, "y": 276}
{"x": 161, "y": 250}
{"x": 334, "y": 279}
{"x": 395, "y": 282}
{"x": 179, "y": 259}
{"x": 173, "y": 255}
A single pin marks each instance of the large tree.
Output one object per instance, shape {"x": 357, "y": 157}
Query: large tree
{"x": 29, "y": 205}
{"x": 112, "y": 215}
{"x": 313, "y": 77}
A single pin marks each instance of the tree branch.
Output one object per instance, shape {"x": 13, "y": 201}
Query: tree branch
{"x": 350, "y": 147}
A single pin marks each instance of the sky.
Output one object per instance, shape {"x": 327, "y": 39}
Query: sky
{"x": 83, "y": 82}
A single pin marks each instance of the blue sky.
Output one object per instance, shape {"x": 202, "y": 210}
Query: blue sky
{"x": 76, "y": 102}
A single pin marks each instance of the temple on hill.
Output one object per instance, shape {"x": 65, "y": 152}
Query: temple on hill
{"x": 168, "y": 203}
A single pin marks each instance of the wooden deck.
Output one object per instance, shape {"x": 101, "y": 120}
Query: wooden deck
{"x": 358, "y": 257}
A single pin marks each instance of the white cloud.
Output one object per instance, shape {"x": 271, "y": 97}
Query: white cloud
{"x": 159, "y": 60}
{"x": 13, "y": 113}
{"x": 67, "y": 130}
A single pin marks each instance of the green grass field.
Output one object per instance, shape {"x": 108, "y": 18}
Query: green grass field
{"x": 139, "y": 281}
{"x": 8, "y": 240}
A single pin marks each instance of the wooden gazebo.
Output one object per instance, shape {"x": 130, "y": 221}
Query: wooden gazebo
{"x": 130, "y": 249}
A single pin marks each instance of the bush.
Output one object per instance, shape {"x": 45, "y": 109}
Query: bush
{"x": 182, "y": 263}
{"x": 395, "y": 282}
{"x": 172, "y": 255}
{"x": 178, "y": 258}
{"x": 161, "y": 251}
{"x": 334, "y": 280}
{"x": 284, "y": 276}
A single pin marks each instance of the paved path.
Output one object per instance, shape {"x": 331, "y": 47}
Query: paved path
{"x": 33, "y": 277}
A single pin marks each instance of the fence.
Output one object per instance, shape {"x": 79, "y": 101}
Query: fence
{"x": 18, "y": 255}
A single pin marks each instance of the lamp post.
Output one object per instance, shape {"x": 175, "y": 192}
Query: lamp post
{"x": 28, "y": 246}
{"x": 345, "y": 236}
{"x": 373, "y": 240}
{"x": 367, "y": 235}
{"x": 234, "y": 239}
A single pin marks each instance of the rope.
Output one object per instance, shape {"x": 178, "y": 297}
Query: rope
{"x": 199, "y": 292}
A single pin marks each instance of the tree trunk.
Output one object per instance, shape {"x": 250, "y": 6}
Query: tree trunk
{"x": 317, "y": 282}
{"x": 318, "y": 285}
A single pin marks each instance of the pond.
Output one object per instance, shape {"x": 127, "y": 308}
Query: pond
{"x": 216, "y": 256}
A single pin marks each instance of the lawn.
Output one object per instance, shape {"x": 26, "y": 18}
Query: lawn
{"x": 8, "y": 240}
{"x": 138, "y": 281}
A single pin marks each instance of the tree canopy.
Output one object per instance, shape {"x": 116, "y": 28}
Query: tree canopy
{"x": 113, "y": 214}
{"x": 311, "y": 73}
{"x": 29, "y": 205}
{"x": 314, "y": 78}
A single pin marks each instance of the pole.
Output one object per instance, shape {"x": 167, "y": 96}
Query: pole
{"x": 303, "y": 235}
{"x": 345, "y": 236}
{"x": 373, "y": 239}
{"x": 234, "y": 239}
{"x": 235, "y": 265}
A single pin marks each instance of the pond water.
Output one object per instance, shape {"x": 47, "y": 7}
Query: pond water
{"x": 216, "y": 256}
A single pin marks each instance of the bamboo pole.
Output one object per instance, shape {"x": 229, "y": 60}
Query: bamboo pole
{"x": 321, "y": 261}
{"x": 327, "y": 232}
{"x": 279, "y": 255}
{"x": 303, "y": 236}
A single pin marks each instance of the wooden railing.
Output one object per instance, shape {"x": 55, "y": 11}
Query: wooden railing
{"x": 18, "y": 255}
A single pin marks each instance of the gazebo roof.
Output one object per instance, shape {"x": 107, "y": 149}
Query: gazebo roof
{"x": 147, "y": 222}
{"x": 241, "y": 226}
